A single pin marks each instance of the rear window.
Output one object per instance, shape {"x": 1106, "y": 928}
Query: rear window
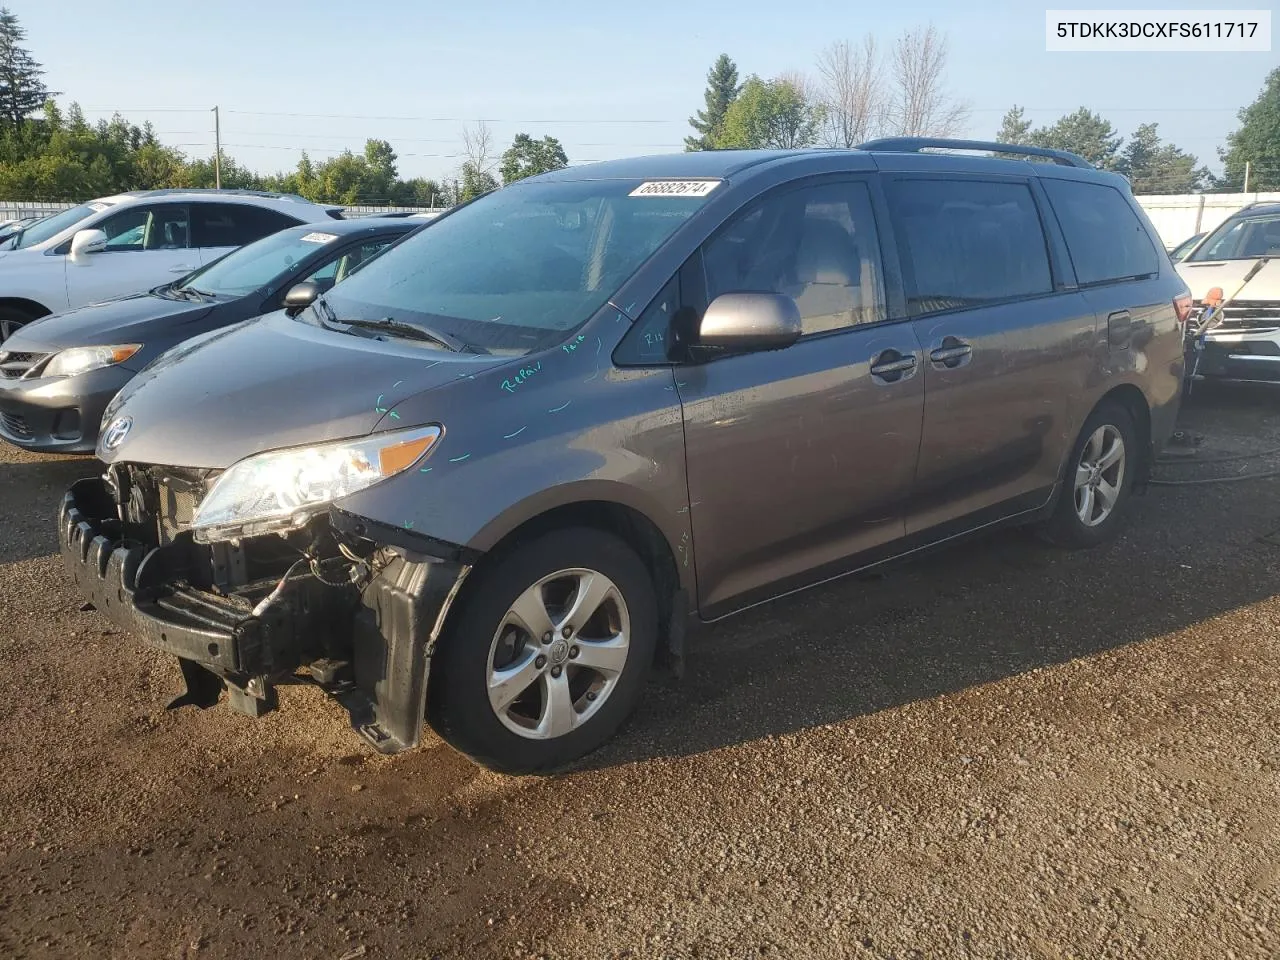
{"x": 234, "y": 224}
{"x": 965, "y": 243}
{"x": 1105, "y": 238}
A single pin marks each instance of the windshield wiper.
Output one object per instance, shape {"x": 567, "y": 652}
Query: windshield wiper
{"x": 410, "y": 331}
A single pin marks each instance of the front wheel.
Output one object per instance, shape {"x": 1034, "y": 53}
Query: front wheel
{"x": 1098, "y": 480}
{"x": 13, "y": 319}
{"x": 547, "y": 654}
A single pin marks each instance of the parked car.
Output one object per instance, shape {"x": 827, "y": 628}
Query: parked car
{"x": 489, "y": 476}
{"x": 130, "y": 242}
{"x": 1246, "y": 344}
{"x": 11, "y": 228}
{"x": 57, "y": 374}
{"x": 1185, "y": 247}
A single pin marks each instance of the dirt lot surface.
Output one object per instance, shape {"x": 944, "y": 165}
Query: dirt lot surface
{"x": 997, "y": 751}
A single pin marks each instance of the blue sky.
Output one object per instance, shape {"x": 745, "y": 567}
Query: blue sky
{"x": 606, "y": 79}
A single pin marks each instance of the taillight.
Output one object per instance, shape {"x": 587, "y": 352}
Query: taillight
{"x": 1182, "y": 304}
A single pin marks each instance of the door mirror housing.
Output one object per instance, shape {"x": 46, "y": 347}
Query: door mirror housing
{"x": 86, "y": 242}
{"x": 747, "y": 322}
{"x": 300, "y": 296}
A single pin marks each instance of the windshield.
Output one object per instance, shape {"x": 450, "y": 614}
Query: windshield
{"x": 256, "y": 265}
{"x": 519, "y": 268}
{"x": 1243, "y": 239}
{"x": 42, "y": 230}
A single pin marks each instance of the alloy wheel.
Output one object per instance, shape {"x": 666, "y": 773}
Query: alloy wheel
{"x": 1099, "y": 475}
{"x": 558, "y": 653}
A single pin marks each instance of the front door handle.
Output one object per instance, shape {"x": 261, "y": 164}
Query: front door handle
{"x": 951, "y": 353}
{"x": 890, "y": 366}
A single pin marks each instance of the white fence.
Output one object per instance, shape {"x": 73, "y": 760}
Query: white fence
{"x": 1175, "y": 217}
{"x": 1179, "y": 217}
{"x": 17, "y": 209}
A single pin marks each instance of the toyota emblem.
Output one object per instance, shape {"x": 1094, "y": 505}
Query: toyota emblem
{"x": 114, "y": 435}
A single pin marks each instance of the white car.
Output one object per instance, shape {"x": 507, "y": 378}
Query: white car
{"x": 133, "y": 242}
{"x": 1245, "y": 344}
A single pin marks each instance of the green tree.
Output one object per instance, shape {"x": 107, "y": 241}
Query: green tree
{"x": 1257, "y": 142}
{"x": 473, "y": 183}
{"x": 380, "y": 176}
{"x": 722, "y": 89}
{"x": 1085, "y": 133}
{"x": 527, "y": 157}
{"x": 22, "y": 92}
{"x": 1015, "y": 128}
{"x": 1153, "y": 166}
{"x": 771, "y": 114}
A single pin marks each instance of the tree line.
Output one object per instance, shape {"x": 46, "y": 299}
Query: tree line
{"x": 855, "y": 91}
{"x": 49, "y": 154}
{"x": 859, "y": 92}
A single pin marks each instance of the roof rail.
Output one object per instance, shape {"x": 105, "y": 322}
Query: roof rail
{"x": 916, "y": 144}
{"x": 220, "y": 191}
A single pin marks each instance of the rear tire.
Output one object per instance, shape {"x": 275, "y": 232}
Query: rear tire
{"x": 521, "y": 682}
{"x": 1098, "y": 480}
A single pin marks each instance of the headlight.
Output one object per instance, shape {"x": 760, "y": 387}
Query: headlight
{"x": 283, "y": 489}
{"x": 68, "y": 363}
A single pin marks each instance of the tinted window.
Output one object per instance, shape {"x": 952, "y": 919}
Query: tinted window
{"x": 965, "y": 243}
{"x": 1104, "y": 236}
{"x": 235, "y": 224}
{"x": 1243, "y": 239}
{"x": 817, "y": 245}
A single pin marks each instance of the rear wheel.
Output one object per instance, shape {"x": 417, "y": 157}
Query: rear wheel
{"x": 1098, "y": 481}
{"x": 13, "y": 319}
{"x": 548, "y": 653}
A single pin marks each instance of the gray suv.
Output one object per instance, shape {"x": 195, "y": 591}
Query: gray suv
{"x": 492, "y": 476}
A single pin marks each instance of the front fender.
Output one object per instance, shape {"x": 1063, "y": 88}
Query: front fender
{"x": 573, "y": 432}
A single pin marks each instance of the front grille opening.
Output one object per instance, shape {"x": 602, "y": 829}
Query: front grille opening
{"x": 16, "y": 426}
{"x": 14, "y": 365}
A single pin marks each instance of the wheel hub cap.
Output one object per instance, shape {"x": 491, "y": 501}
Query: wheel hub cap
{"x": 558, "y": 651}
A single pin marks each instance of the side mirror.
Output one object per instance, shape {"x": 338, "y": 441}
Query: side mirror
{"x": 86, "y": 242}
{"x": 300, "y": 296}
{"x": 740, "y": 322}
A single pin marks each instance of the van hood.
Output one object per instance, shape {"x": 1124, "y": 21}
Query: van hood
{"x": 126, "y": 320}
{"x": 1204, "y": 276}
{"x": 268, "y": 383}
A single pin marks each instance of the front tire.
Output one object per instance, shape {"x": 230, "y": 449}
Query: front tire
{"x": 13, "y": 319}
{"x": 547, "y": 654}
{"x": 1098, "y": 481}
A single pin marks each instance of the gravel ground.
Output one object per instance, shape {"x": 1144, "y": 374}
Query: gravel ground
{"x": 997, "y": 751}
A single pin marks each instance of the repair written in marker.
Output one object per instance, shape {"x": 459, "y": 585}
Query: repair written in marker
{"x": 674, "y": 188}
{"x": 319, "y": 237}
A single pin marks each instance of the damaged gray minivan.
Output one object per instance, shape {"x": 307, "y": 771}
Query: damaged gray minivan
{"x": 488, "y": 479}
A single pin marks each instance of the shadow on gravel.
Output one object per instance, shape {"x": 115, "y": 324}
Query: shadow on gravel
{"x": 30, "y": 491}
{"x": 978, "y": 612}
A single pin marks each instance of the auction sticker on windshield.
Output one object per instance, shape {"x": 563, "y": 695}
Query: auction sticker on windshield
{"x": 319, "y": 237}
{"x": 675, "y": 188}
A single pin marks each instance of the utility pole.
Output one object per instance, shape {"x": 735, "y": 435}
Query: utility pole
{"x": 1246, "y": 176}
{"x": 217, "y": 150}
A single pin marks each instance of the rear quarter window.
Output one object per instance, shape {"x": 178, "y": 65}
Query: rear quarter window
{"x": 1105, "y": 238}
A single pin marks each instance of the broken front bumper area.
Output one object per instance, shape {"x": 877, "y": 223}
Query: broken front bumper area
{"x": 368, "y": 643}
